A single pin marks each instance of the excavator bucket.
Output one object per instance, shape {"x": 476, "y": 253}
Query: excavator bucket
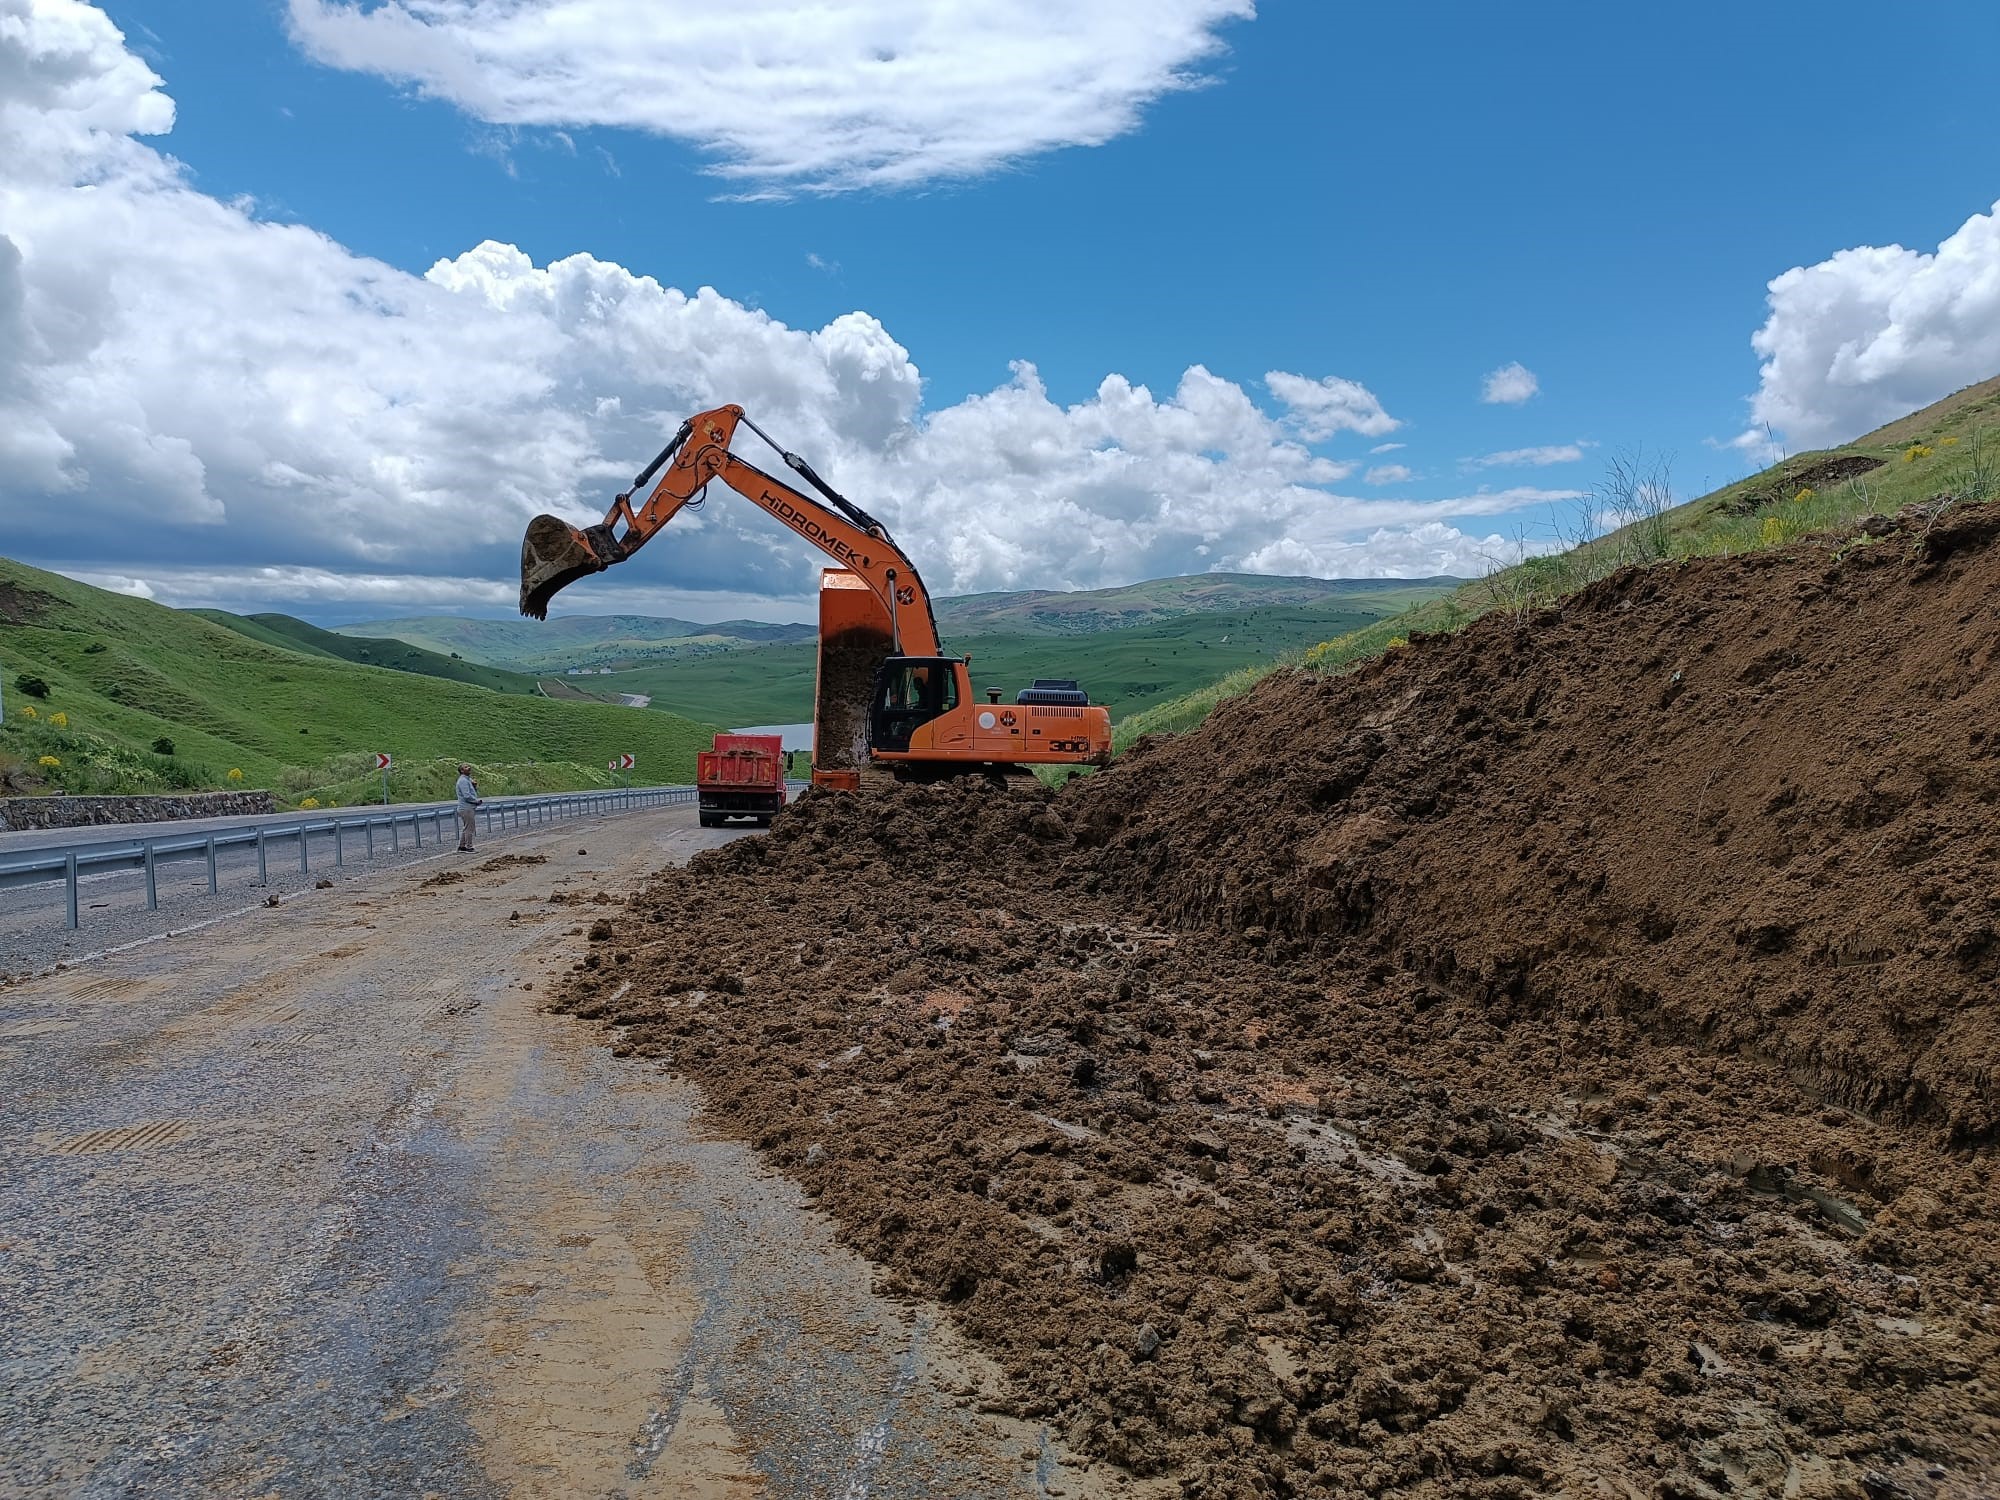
{"x": 554, "y": 554}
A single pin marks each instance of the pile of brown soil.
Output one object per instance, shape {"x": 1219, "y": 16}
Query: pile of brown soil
{"x": 510, "y": 861}
{"x": 1746, "y": 803}
{"x": 1554, "y": 1060}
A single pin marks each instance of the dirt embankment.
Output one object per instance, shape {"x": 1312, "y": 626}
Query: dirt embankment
{"x": 1748, "y": 804}
{"x": 1556, "y": 1060}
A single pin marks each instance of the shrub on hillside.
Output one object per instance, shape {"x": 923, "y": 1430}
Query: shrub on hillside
{"x": 163, "y": 746}
{"x": 31, "y": 685}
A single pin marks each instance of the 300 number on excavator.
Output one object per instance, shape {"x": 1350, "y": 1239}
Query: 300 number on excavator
{"x": 887, "y": 694}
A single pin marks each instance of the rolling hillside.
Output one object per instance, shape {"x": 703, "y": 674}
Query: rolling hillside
{"x": 575, "y": 640}
{"x": 128, "y": 675}
{"x": 1127, "y": 669}
{"x": 374, "y": 651}
{"x": 1048, "y": 612}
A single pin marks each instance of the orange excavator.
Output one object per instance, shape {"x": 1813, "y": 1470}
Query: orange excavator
{"x": 887, "y": 695}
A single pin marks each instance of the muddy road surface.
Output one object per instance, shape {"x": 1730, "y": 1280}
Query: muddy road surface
{"x": 320, "y": 1202}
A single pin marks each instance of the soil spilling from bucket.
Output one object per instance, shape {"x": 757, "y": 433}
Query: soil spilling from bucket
{"x": 847, "y": 666}
{"x": 1557, "y": 1059}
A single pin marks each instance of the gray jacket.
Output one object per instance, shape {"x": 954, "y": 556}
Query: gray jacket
{"x": 468, "y": 794}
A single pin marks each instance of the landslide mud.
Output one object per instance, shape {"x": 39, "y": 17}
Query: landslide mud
{"x": 1558, "y": 1059}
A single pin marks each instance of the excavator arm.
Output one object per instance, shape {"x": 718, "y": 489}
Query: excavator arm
{"x": 555, "y": 554}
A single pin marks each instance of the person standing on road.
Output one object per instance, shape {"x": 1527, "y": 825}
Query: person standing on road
{"x": 468, "y": 800}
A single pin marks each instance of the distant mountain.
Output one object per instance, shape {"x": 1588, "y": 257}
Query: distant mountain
{"x": 593, "y": 642}
{"x": 580, "y": 641}
{"x": 1049, "y": 612}
{"x": 372, "y": 651}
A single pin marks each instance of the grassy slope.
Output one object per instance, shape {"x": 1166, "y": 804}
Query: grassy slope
{"x": 1950, "y": 449}
{"x": 576, "y": 640}
{"x": 1125, "y": 669}
{"x": 293, "y": 722}
{"x": 1161, "y": 599}
{"x": 375, "y": 651}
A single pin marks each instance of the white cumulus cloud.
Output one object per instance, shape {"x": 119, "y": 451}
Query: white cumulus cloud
{"x": 1509, "y": 385}
{"x": 1321, "y": 408}
{"x": 221, "y": 407}
{"x": 1525, "y": 458}
{"x": 1871, "y": 333}
{"x": 1431, "y": 550}
{"x": 789, "y": 96}
{"x": 1388, "y": 474}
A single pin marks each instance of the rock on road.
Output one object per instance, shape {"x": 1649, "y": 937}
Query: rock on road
{"x": 318, "y": 1202}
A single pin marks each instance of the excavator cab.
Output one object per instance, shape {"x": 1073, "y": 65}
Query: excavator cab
{"x": 910, "y": 691}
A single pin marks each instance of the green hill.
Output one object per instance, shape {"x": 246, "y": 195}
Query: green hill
{"x": 374, "y": 651}
{"x": 1048, "y": 612}
{"x": 1947, "y": 453}
{"x": 1127, "y": 669}
{"x": 126, "y": 674}
{"x": 553, "y": 646}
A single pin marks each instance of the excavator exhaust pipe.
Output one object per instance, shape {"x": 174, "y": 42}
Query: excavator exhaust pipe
{"x": 554, "y": 554}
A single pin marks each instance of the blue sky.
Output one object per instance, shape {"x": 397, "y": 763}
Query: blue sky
{"x": 1404, "y": 197}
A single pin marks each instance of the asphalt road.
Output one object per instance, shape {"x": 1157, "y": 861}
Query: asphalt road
{"x": 317, "y": 1202}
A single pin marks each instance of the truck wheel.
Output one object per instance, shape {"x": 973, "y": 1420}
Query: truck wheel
{"x": 709, "y": 819}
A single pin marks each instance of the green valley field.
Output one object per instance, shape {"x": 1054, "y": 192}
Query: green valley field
{"x": 136, "y": 697}
{"x": 1127, "y": 670}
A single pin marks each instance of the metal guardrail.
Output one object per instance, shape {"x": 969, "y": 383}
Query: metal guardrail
{"x": 150, "y": 854}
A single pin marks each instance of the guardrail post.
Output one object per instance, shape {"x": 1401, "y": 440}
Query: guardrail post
{"x": 305, "y": 867}
{"x": 69, "y": 874}
{"x": 395, "y": 839}
{"x": 211, "y": 864}
{"x": 152, "y": 880}
{"x": 368, "y": 832}
{"x": 339, "y": 854}
{"x": 417, "y": 830}
{"x": 263, "y": 875}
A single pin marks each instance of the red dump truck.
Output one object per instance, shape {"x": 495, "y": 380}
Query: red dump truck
{"x": 742, "y": 777}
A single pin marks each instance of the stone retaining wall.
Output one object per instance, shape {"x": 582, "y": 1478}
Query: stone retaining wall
{"x": 20, "y": 813}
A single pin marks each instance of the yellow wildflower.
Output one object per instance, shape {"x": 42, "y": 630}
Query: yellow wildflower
{"x": 234, "y": 774}
{"x": 59, "y": 719}
{"x": 48, "y": 762}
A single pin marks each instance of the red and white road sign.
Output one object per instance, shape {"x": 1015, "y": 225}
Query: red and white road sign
{"x": 626, "y": 762}
{"x": 382, "y": 760}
